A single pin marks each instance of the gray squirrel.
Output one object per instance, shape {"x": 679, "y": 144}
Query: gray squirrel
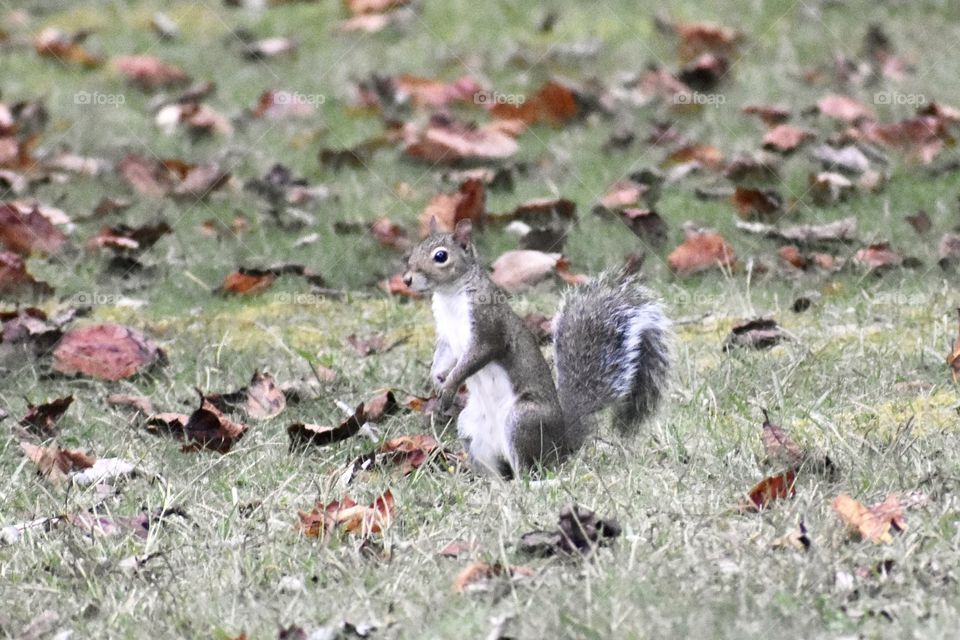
{"x": 610, "y": 338}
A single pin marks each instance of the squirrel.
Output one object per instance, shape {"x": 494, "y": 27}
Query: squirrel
{"x": 610, "y": 339}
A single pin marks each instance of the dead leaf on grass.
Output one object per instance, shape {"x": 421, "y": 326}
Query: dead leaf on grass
{"x": 42, "y": 419}
{"x": 954, "y": 358}
{"x": 445, "y": 210}
{"x": 579, "y": 531}
{"x": 872, "y": 523}
{"x": 477, "y": 575}
{"x": 303, "y": 434}
{"x": 769, "y": 490}
{"x": 349, "y": 516}
{"x": 149, "y": 72}
{"x": 762, "y": 333}
{"x": 701, "y": 251}
{"x": 521, "y": 268}
{"x": 105, "y": 351}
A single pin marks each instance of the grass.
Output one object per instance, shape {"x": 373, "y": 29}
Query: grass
{"x": 863, "y": 377}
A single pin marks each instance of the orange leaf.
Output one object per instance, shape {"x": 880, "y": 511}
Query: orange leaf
{"x": 769, "y": 489}
{"x": 872, "y": 523}
{"x": 702, "y": 250}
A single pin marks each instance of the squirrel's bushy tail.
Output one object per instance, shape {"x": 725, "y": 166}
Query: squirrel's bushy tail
{"x": 611, "y": 341}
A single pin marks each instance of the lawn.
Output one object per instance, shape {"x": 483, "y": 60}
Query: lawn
{"x": 860, "y": 376}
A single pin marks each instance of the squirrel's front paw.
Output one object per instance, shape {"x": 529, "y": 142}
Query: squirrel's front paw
{"x": 447, "y": 395}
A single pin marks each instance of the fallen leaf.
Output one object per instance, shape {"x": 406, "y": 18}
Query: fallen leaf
{"x": 697, "y": 38}
{"x": 848, "y": 159}
{"x": 381, "y": 406}
{"x": 458, "y": 548}
{"x": 701, "y": 251}
{"x": 794, "y": 539}
{"x": 426, "y": 92}
{"x": 368, "y": 345}
{"x": 14, "y": 277}
{"x": 706, "y": 155}
{"x": 25, "y": 231}
{"x": 448, "y": 141}
{"x": 42, "y": 419}
{"x": 771, "y": 115}
{"x": 412, "y": 452}
{"x": 871, "y": 523}
{"x": 522, "y": 268}
{"x": 554, "y": 103}
{"x": 447, "y": 209}
{"x": 829, "y": 188}
{"x": 879, "y": 255}
{"x": 66, "y": 48}
{"x": 149, "y": 72}
{"x": 778, "y": 444}
{"x": 844, "y": 108}
{"x": 920, "y": 139}
{"x": 844, "y": 230}
{"x": 270, "y": 48}
{"x": 247, "y": 282}
{"x": 753, "y": 168}
{"x": 125, "y": 238}
{"x": 540, "y": 210}
{"x": 757, "y": 203}
{"x": 140, "y": 403}
{"x": 792, "y": 256}
{"x": 302, "y": 434}
{"x": 770, "y": 489}
{"x": 56, "y": 464}
{"x": 579, "y": 531}
{"x": 105, "y": 351}
{"x": 786, "y": 138}
{"x": 349, "y": 516}
{"x": 106, "y": 525}
{"x": 390, "y": 234}
{"x": 920, "y": 221}
{"x": 205, "y": 428}
{"x": 476, "y": 575}
{"x": 623, "y": 193}
{"x": 755, "y": 334}
{"x": 954, "y": 358}
{"x": 395, "y": 286}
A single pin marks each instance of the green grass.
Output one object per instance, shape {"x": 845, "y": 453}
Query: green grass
{"x": 863, "y": 377}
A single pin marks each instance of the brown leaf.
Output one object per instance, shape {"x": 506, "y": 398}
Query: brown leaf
{"x": 871, "y": 523}
{"x": 697, "y": 38}
{"x": 786, "y": 138}
{"x": 427, "y": 92}
{"x": 792, "y": 256}
{"x": 540, "y": 210}
{"x": 57, "y": 464}
{"x": 828, "y": 188}
{"x": 25, "y": 230}
{"x": 197, "y": 118}
{"x": 149, "y": 72}
{"x": 878, "y": 255}
{"x": 382, "y": 405}
{"x": 395, "y": 286}
{"x": 920, "y": 221}
{"x": 467, "y": 203}
{"x": 701, "y": 251}
{"x": 348, "y": 515}
{"x": 844, "y": 108}
{"x": 755, "y": 334}
{"x": 706, "y": 155}
{"x": 302, "y": 434}
{"x": 63, "y": 47}
{"x": 14, "y": 277}
{"x": 954, "y": 358}
{"x": 42, "y": 419}
{"x": 126, "y": 238}
{"x": 579, "y": 531}
{"x": 920, "y": 139}
{"x": 844, "y": 230}
{"x": 770, "y": 489}
{"x": 247, "y": 282}
{"x": 771, "y": 115}
{"x": 140, "y": 403}
{"x": 390, "y": 234}
{"x": 411, "y": 452}
{"x": 476, "y": 575}
{"x": 623, "y": 193}
{"x": 264, "y": 399}
{"x": 448, "y": 141}
{"x": 458, "y": 548}
{"x": 208, "y": 428}
{"x": 554, "y": 104}
{"x": 778, "y": 444}
{"x": 757, "y": 203}
{"x": 105, "y": 351}
{"x": 521, "y": 268}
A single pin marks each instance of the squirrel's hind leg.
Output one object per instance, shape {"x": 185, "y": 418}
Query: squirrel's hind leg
{"x": 534, "y": 434}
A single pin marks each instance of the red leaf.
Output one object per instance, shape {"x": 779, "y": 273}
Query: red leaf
{"x": 769, "y": 489}
{"x": 105, "y": 351}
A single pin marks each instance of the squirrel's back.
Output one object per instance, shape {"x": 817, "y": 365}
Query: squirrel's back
{"x": 611, "y": 339}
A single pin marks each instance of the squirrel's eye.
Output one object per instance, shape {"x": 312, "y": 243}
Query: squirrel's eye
{"x": 440, "y": 256}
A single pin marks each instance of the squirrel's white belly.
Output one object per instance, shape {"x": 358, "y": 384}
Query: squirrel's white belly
{"x": 485, "y": 421}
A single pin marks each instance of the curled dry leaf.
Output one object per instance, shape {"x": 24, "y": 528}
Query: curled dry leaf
{"x": 920, "y": 139}
{"x": 770, "y": 489}
{"x": 24, "y": 230}
{"x": 14, "y": 277}
{"x": 579, "y": 531}
{"x": 706, "y": 155}
{"x": 771, "y": 115}
{"x": 554, "y": 103}
{"x": 205, "y": 428}
{"x": 623, "y": 193}
{"x": 477, "y": 575}
{"x": 879, "y": 255}
{"x": 844, "y": 230}
{"x": 123, "y": 238}
{"x": 871, "y": 523}
{"x": 412, "y": 452}
{"x": 466, "y": 203}
{"x": 701, "y": 251}
{"x": 247, "y": 282}
{"x": 752, "y": 204}
{"x": 778, "y": 444}
{"x": 646, "y": 224}
{"x": 140, "y": 403}
{"x": 755, "y": 334}
{"x": 427, "y": 92}
{"x": 64, "y": 47}
{"x": 56, "y": 464}
{"x": 42, "y": 419}
{"x": 302, "y": 434}
{"x": 349, "y": 516}
{"x": 786, "y": 138}
{"x": 521, "y": 268}
{"x": 844, "y": 108}
{"x": 105, "y": 351}
{"x": 696, "y": 38}
{"x": 149, "y": 72}
{"x": 954, "y": 358}
{"x": 390, "y": 234}
{"x": 448, "y": 141}
{"x": 540, "y": 210}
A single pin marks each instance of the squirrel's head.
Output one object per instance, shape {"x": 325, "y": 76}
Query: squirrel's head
{"x": 441, "y": 259}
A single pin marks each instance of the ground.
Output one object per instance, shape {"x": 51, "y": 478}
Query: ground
{"x": 862, "y": 376}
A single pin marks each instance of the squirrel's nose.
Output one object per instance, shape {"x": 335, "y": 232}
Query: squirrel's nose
{"x": 407, "y": 279}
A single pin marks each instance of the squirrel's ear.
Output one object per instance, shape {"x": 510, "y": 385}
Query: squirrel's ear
{"x": 434, "y": 226}
{"x": 462, "y": 233}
